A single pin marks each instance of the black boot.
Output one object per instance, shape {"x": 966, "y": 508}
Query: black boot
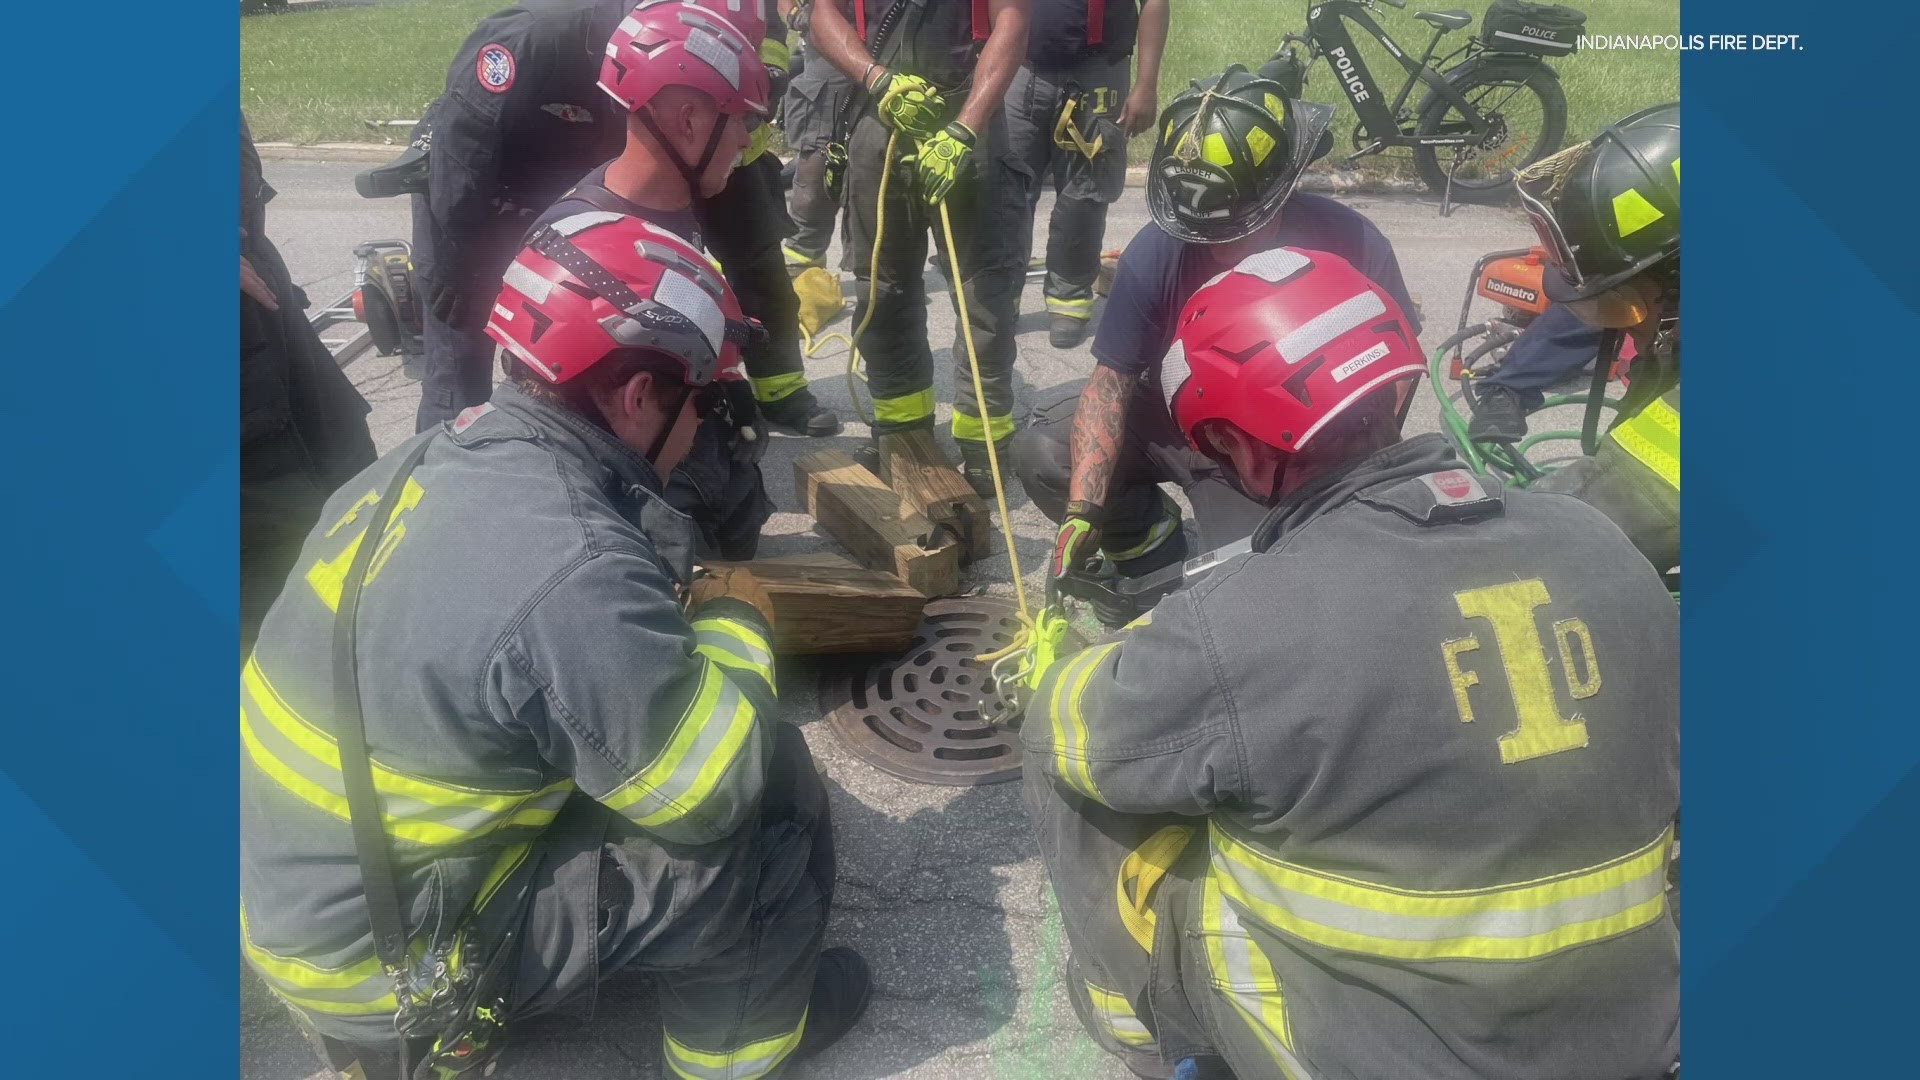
{"x": 842, "y": 986}
{"x": 1065, "y": 331}
{"x": 1499, "y": 415}
{"x": 978, "y": 470}
{"x": 801, "y": 413}
{"x": 1169, "y": 551}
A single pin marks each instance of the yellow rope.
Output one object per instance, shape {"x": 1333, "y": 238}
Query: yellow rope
{"x": 980, "y": 402}
{"x": 873, "y": 282}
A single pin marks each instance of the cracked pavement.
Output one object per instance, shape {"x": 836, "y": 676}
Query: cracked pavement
{"x": 941, "y": 888}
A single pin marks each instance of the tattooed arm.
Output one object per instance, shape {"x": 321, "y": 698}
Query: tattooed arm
{"x": 1099, "y": 425}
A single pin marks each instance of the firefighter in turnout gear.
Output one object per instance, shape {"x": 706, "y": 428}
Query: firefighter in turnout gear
{"x": 520, "y": 122}
{"x": 1070, "y": 112}
{"x": 570, "y": 739}
{"x": 815, "y": 99}
{"x": 1229, "y": 152}
{"x": 1608, "y": 215}
{"x": 1423, "y": 741}
{"x": 933, "y": 74}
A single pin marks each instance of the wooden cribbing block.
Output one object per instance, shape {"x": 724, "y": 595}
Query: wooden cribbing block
{"x": 851, "y": 505}
{"x": 826, "y": 603}
{"x": 912, "y": 464}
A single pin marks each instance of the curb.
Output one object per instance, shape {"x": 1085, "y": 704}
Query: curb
{"x": 1320, "y": 180}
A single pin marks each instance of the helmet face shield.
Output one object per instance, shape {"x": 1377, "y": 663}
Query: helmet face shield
{"x": 1552, "y": 237}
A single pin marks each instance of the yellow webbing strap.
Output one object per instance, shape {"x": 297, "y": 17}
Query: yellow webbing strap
{"x": 1140, "y": 873}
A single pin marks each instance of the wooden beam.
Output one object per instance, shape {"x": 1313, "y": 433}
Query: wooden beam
{"x": 913, "y": 465}
{"x": 851, "y": 505}
{"x": 826, "y": 603}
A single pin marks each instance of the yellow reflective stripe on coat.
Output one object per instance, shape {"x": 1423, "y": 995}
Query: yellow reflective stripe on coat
{"x": 1242, "y": 974}
{"x": 1652, "y": 436}
{"x": 704, "y": 745}
{"x": 1523, "y": 921}
{"x": 973, "y": 429}
{"x": 776, "y": 387}
{"x": 733, "y": 644}
{"x": 357, "y": 989}
{"x": 1069, "y": 727}
{"x": 1116, "y": 1016}
{"x": 906, "y": 409}
{"x": 305, "y": 762}
{"x": 1140, "y": 873}
{"x": 747, "y": 1063}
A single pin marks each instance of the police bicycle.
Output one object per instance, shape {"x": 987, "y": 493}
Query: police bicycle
{"x": 1492, "y": 106}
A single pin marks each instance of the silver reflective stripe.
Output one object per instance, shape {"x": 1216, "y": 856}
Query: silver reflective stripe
{"x": 678, "y": 292}
{"x": 1116, "y": 1013}
{"x": 1174, "y": 372}
{"x": 1237, "y": 947}
{"x": 729, "y": 710}
{"x": 766, "y": 1055}
{"x": 1275, "y": 265}
{"x": 586, "y": 219}
{"x": 759, "y": 659}
{"x": 1354, "y": 311}
{"x": 1542, "y": 42}
{"x": 400, "y": 809}
{"x": 1493, "y": 923}
{"x": 528, "y": 281}
{"x": 709, "y": 47}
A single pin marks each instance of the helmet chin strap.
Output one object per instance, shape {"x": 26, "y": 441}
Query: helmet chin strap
{"x": 690, "y": 173}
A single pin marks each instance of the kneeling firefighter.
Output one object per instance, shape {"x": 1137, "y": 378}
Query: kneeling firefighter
{"x": 499, "y": 743}
{"x": 1393, "y": 794}
{"x": 928, "y": 122}
{"x": 1608, "y": 215}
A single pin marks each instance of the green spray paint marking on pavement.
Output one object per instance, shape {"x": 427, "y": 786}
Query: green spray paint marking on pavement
{"x": 1026, "y": 1050}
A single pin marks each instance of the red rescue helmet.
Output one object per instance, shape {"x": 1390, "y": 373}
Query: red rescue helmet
{"x": 597, "y": 283}
{"x": 664, "y": 43}
{"x": 1283, "y": 343}
{"x": 748, "y": 15}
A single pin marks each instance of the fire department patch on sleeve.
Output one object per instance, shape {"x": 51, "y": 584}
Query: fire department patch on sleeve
{"x": 495, "y": 68}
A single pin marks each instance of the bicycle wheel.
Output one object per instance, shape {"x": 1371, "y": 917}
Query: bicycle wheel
{"x": 1528, "y": 110}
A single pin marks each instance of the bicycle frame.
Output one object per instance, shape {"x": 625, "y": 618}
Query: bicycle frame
{"x": 1327, "y": 35}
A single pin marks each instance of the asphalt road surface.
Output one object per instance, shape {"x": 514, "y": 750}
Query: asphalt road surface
{"x": 941, "y": 888}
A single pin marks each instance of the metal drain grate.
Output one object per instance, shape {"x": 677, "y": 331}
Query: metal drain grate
{"x": 918, "y": 717}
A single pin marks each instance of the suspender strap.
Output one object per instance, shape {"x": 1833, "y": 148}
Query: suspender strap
{"x": 982, "y": 22}
{"x": 363, "y": 806}
{"x": 1097, "y": 21}
{"x": 860, "y": 19}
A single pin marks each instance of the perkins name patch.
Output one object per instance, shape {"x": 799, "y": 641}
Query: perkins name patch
{"x": 1346, "y": 370}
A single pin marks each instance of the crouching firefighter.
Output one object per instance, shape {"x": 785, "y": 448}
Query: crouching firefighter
{"x": 1608, "y": 214}
{"x": 927, "y": 121}
{"x": 500, "y": 743}
{"x": 1423, "y": 738}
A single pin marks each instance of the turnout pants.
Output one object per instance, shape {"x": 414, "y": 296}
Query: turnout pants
{"x": 813, "y": 103}
{"x": 1085, "y": 187}
{"x": 895, "y": 346}
{"x": 1142, "y": 527}
{"x": 730, "y": 931}
{"x": 744, "y": 225}
{"x": 1122, "y": 883}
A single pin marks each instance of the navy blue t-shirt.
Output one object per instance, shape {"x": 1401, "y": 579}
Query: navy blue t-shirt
{"x": 1158, "y": 274}
{"x": 681, "y": 223}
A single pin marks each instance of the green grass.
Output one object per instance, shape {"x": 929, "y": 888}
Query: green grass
{"x": 318, "y": 75}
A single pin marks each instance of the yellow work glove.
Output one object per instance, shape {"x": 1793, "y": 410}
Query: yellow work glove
{"x": 942, "y": 159}
{"x": 908, "y": 104}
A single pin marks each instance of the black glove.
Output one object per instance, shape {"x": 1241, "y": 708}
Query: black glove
{"x": 750, "y": 436}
